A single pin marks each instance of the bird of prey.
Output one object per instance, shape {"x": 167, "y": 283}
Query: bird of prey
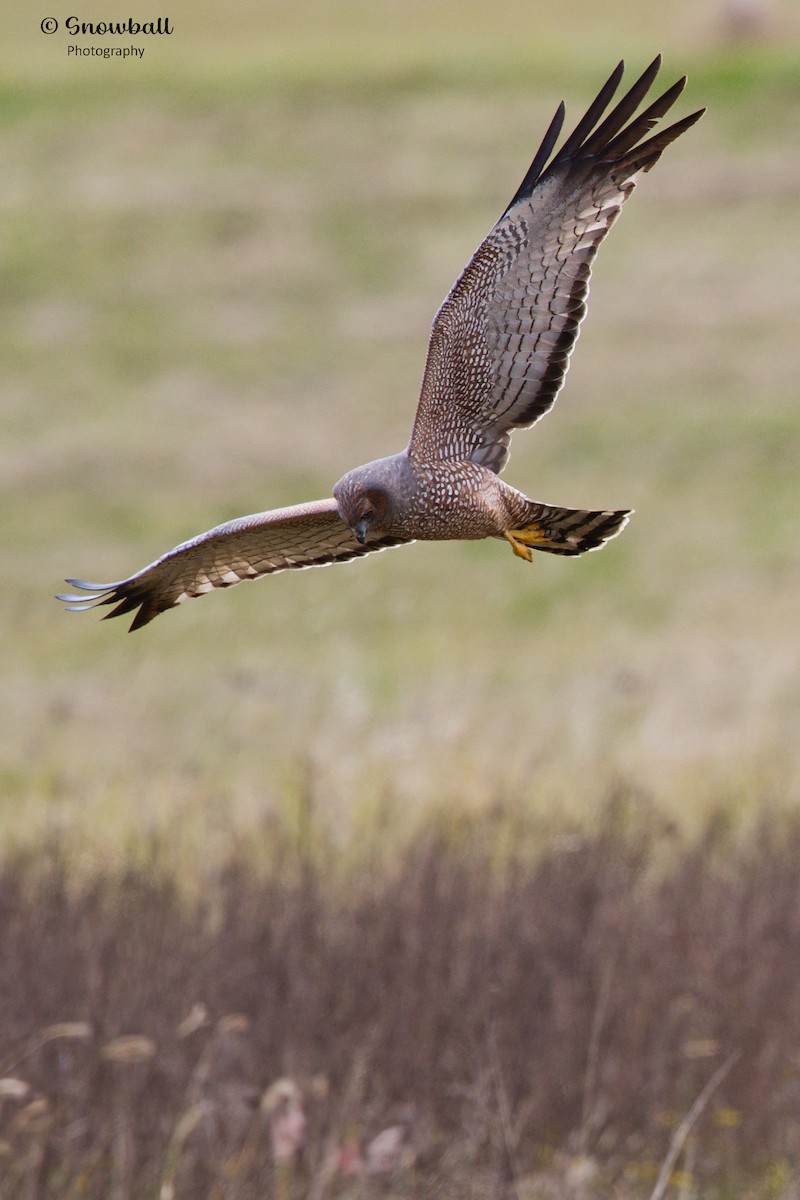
{"x": 497, "y": 356}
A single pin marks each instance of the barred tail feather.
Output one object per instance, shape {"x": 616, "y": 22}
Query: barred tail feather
{"x": 573, "y": 530}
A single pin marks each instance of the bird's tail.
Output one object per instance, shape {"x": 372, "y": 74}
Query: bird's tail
{"x": 565, "y": 530}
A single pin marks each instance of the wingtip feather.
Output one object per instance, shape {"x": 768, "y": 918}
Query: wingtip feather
{"x": 87, "y": 585}
{"x": 593, "y": 113}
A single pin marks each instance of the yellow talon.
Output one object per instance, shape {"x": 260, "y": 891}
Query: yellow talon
{"x": 529, "y": 535}
{"x": 518, "y": 547}
{"x": 533, "y": 535}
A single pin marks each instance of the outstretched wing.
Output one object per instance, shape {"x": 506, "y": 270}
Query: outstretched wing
{"x": 306, "y": 535}
{"x": 500, "y": 343}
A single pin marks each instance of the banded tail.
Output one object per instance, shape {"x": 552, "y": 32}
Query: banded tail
{"x": 568, "y": 531}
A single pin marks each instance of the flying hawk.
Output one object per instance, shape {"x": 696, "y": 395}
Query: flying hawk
{"x": 497, "y": 357}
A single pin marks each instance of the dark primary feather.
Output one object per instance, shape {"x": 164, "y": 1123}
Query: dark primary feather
{"x": 500, "y": 343}
{"x": 575, "y": 141}
{"x": 625, "y": 109}
{"x": 541, "y": 157}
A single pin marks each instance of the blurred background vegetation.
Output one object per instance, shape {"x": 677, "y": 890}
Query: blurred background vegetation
{"x": 218, "y": 268}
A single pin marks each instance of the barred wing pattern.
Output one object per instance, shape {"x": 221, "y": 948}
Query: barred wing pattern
{"x": 500, "y": 343}
{"x": 285, "y": 539}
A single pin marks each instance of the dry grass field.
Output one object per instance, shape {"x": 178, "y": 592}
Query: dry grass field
{"x": 218, "y": 268}
{"x": 437, "y": 1028}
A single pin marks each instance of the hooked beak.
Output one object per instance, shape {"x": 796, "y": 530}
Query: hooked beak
{"x": 360, "y": 530}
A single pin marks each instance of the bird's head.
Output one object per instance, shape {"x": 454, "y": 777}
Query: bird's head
{"x": 364, "y": 502}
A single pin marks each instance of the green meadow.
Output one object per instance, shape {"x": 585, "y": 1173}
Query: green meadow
{"x": 217, "y": 287}
{"x": 218, "y": 269}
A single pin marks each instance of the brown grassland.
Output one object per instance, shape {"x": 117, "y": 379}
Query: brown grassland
{"x": 536, "y": 1031}
{"x": 439, "y": 875}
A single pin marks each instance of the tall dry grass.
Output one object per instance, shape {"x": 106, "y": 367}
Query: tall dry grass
{"x": 441, "y": 1027}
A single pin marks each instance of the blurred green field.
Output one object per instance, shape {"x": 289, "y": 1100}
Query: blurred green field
{"x": 219, "y": 268}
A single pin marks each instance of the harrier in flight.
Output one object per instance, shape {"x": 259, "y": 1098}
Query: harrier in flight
{"x": 497, "y": 357}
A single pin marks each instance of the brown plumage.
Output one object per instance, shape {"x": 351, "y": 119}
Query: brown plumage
{"x": 497, "y": 357}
